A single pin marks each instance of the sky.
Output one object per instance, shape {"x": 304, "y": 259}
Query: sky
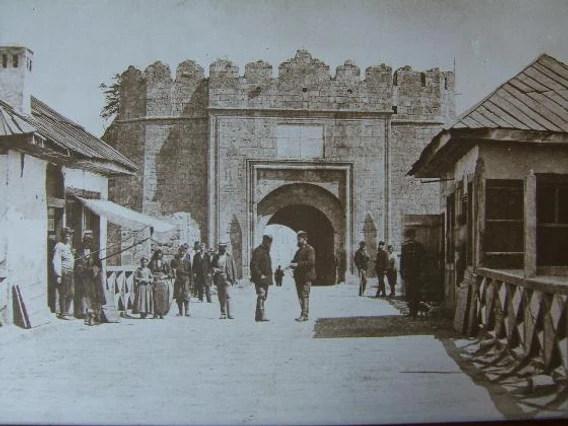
{"x": 80, "y": 44}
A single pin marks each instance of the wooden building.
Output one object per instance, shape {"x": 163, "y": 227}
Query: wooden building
{"x": 503, "y": 168}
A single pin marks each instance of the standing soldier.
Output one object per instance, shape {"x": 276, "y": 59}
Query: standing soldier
{"x": 183, "y": 278}
{"x": 303, "y": 264}
{"x": 391, "y": 270}
{"x": 201, "y": 262}
{"x": 261, "y": 275}
{"x": 63, "y": 267}
{"x": 224, "y": 276}
{"x": 278, "y": 276}
{"x": 362, "y": 263}
{"x": 381, "y": 266}
{"x": 412, "y": 256}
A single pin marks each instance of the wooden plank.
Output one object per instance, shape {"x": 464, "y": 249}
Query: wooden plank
{"x": 520, "y": 85}
{"x": 494, "y": 118}
{"x": 536, "y": 110}
{"x": 20, "y": 315}
{"x": 531, "y": 82}
{"x": 462, "y": 308}
{"x": 485, "y": 122}
{"x": 500, "y": 108}
{"x": 34, "y": 305}
{"x": 470, "y": 122}
{"x": 557, "y": 67}
{"x": 559, "y": 110}
{"x": 562, "y": 82}
{"x": 542, "y": 78}
{"x": 560, "y": 97}
{"x": 524, "y": 113}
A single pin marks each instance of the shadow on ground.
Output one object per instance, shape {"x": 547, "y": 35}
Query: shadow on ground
{"x": 382, "y": 326}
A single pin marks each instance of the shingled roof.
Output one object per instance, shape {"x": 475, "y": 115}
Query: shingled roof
{"x": 63, "y": 134}
{"x": 535, "y": 99}
{"x": 530, "y": 107}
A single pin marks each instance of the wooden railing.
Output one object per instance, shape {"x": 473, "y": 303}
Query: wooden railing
{"x": 525, "y": 319}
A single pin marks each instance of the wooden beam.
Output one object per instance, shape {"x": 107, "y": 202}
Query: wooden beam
{"x": 530, "y": 225}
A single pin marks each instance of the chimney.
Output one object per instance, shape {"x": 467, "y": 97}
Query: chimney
{"x": 15, "y": 77}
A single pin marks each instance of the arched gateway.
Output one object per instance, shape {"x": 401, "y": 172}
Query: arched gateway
{"x": 308, "y": 207}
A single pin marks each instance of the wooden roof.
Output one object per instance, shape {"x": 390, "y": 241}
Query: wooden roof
{"x": 530, "y": 107}
{"x": 535, "y": 99}
{"x": 63, "y": 135}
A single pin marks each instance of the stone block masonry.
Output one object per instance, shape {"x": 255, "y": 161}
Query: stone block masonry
{"x": 194, "y": 138}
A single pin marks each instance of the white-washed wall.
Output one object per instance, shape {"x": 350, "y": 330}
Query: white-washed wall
{"x": 24, "y": 226}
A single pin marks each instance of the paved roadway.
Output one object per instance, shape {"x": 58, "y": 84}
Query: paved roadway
{"x": 203, "y": 370}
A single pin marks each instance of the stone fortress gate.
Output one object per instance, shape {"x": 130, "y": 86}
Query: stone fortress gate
{"x": 305, "y": 149}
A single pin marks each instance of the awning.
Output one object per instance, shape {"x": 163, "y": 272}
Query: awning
{"x": 123, "y": 216}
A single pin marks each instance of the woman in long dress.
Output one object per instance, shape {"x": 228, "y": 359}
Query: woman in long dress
{"x": 143, "y": 298}
{"x": 162, "y": 274}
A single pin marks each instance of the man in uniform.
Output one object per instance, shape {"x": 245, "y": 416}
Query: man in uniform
{"x": 63, "y": 267}
{"x": 224, "y": 276}
{"x": 261, "y": 275}
{"x": 381, "y": 267}
{"x": 412, "y": 256}
{"x": 303, "y": 265}
{"x": 200, "y": 270}
{"x": 392, "y": 271}
{"x": 361, "y": 260}
{"x": 181, "y": 264}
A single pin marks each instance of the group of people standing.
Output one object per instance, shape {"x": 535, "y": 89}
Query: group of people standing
{"x": 385, "y": 265}
{"x": 193, "y": 273}
{"x": 411, "y": 267}
{"x": 78, "y": 272}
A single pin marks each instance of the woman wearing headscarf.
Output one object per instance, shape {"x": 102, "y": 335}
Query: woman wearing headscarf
{"x": 162, "y": 274}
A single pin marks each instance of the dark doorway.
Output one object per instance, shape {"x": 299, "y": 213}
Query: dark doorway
{"x": 320, "y": 235}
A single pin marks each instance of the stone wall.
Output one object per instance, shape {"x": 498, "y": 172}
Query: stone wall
{"x": 171, "y": 125}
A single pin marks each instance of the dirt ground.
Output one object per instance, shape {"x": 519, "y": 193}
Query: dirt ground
{"x": 333, "y": 369}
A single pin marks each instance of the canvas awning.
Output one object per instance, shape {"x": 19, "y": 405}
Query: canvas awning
{"x": 123, "y": 216}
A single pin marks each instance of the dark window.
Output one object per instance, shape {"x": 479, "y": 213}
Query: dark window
{"x": 423, "y": 79}
{"x": 4, "y": 61}
{"x": 15, "y": 61}
{"x": 552, "y": 220}
{"x": 504, "y": 225}
{"x": 395, "y": 109}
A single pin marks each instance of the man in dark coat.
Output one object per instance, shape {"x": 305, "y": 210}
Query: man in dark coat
{"x": 361, "y": 260}
{"x": 304, "y": 267}
{"x": 201, "y": 262}
{"x": 411, "y": 259}
{"x": 261, "y": 275}
{"x": 181, "y": 265}
{"x": 88, "y": 279}
{"x": 381, "y": 267}
{"x": 224, "y": 276}
{"x": 278, "y": 276}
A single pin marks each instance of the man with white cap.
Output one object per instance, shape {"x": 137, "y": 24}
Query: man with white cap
{"x": 64, "y": 266}
{"x": 303, "y": 265}
{"x": 224, "y": 276}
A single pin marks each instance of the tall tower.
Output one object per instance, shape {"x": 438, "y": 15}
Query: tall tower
{"x": 15, "y": 77}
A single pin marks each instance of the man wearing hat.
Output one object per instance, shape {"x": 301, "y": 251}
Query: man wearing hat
{"x": 411, "y": 259}
{"x": 381, "y": 267}
{"x": 183, "y": 280}
{"x": 303, "y": 265}
{"x": 63, "y": 267}
{"x": 361, "y": 260}
{"x": 88, "y": 281}
{"x": 200, "y": 267}
{"x": 261, "y": 275}
{"x": 224, "y": 276}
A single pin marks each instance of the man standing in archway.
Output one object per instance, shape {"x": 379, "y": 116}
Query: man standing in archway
{"x": 261, "y": 275}
{"x": 303, "y": 264}
{"x": 411, "y": 262}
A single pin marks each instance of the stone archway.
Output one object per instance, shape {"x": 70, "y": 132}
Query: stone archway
{"x": 310, "y": 208}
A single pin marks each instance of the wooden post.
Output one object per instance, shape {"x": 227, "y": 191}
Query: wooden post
{"x": 530, "y": 225}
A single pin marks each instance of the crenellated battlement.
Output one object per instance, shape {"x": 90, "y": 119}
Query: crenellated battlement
{"x": 302, "y": 82}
